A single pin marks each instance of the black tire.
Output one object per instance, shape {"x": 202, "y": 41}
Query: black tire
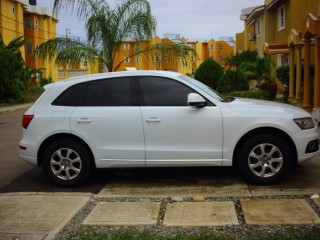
{"x": 67, "y": 163}
{"x": 265, "y": 159}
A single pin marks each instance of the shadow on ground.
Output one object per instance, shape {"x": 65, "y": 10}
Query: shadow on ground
{"x": 35, "y": 180}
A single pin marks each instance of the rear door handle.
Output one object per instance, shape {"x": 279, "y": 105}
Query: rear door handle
{"x": 84, "y": 120}
{"x": 153, "y": 119}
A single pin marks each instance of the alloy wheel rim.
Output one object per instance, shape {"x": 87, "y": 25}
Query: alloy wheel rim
{"x": 265, "y": 160}
{"x": 65, "y": 164}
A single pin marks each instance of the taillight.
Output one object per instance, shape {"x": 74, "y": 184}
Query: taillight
{"x": 26, "y": 119}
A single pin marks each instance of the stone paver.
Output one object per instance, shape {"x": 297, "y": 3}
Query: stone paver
{"x": 317, "y": 201}
{"x": 278, "y": 211}
{"x": 38, "y": 214}
{"x": 124, "y": 214}
{"x": 200, "y": 214}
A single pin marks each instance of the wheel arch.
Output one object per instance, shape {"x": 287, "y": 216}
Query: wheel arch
{"x": 60, "y": 136}
{"x": 265, "y": 130}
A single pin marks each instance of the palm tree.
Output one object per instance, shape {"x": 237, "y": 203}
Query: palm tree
{"x": 106, "y": 28}
{"x": 14, "y": 45}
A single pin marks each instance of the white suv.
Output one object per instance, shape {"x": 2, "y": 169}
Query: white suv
{"x": 160, "y": 119}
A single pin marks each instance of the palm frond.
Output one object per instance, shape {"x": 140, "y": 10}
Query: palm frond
{"x": 65, "y": 51}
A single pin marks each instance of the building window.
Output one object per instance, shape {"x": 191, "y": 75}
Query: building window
{"x": 185, "y": 64}
{"x": 192, "y": 58}
{"x": 126, "y": 59}
{"x": 137, "y": 58}
{"x": 157, "y": 58}
{"x": 211, "y": 47}
{"x": 283, "y": 59}
{"x": 259, "y": 26}
{"x": 192, "y": 71}
{"x": 85, "y": 63}
{"x": 36, "y": 23}
{"x": 220, "y": 59}
{"x": 126, "y": 46}
{"x": 37, "y": 49}
{"x": 281, "y": 17}
{"x": 27, "y": 23}
{"x": 29, "y": 50}
{"x": 12, "y": 10}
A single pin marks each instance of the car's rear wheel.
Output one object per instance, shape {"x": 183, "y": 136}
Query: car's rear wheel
{"x": 67, "y": 163}
{"x": 265, "y": 159}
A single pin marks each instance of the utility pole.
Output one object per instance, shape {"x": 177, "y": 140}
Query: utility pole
{"x": 68, "y": 32}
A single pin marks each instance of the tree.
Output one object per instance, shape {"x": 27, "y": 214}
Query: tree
{"x": 209, "y": 72}
{"x": 13, "y": 71}
{"x": 106, "y": 28}
{"x": 254, "y": 67}
{"x": 233, "y": 80}
{"x": 240, "y": 57}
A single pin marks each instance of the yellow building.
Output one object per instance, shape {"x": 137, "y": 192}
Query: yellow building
{"x": 286, "y": 30}
{"x": 11, "y": 20}
{"x": 125, "y": 57}
{"x": 36, "y": 24}
{"x": 223, "y": 49}
{"x": 78, "y": 69}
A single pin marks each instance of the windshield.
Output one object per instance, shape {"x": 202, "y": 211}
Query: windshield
{"x": 205, "y": 88}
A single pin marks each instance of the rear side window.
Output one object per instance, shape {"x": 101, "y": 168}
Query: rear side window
{"x": 109, "y": 92}
{"x": 70, "y": 96}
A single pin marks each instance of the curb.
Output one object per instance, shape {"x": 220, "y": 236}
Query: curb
{"x": 15, "y": 107}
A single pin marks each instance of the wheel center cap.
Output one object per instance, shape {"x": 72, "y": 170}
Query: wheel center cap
{"x": 265, "y": 159}
{"x": 65, "y": 163}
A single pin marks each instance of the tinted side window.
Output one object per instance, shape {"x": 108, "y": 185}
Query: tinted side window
{"x": 108, "y": 92}
{"x": 70, "y": 96}
{"x": 164, "y": 92}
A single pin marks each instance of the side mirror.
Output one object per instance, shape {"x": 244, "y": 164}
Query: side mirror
{"x": 195, "y": 100}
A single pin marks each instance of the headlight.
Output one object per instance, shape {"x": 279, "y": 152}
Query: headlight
{"x": 304, "y": 123}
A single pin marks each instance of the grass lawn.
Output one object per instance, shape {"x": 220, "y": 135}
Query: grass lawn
{"x": 285, "y": 233}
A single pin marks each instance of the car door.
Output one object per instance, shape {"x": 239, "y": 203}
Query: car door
{"x": 176, "y": 134}
{"x": 108, "y": 118}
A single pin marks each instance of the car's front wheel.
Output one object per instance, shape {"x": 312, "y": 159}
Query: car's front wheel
{"x": 264, "y": 159}
{"x": 67, "y": 163}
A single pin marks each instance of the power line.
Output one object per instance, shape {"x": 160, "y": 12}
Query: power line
{"x": 23, "y": 24}
{"x": 24, "y": 34}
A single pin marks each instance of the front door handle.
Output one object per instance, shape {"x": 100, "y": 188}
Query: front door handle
{"x": 153, "y": 119}
{"x": 84, "y": 120}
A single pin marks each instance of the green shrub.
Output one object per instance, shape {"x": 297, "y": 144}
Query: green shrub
{"x": 254, "y": 93}
{"x": 209, "y": 73}
{"x": 45, "y": 81}
{"x": 12, "y": 85}
{"x": 233, "y": 80}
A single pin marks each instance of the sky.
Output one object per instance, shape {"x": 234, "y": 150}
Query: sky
{"x": 192, "y": 19}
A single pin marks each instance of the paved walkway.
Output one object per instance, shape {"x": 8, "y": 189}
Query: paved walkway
{"x": 36, "y": 216}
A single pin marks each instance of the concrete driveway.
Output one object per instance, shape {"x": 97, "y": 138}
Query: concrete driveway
{"x": 164, "y": 197}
